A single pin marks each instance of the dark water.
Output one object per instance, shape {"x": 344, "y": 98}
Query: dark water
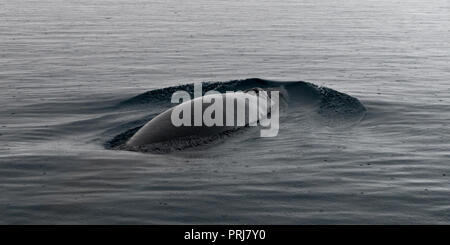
{"x": 364, "y": 140}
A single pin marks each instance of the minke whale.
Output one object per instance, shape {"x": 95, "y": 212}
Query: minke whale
{"x": 239, "y": 109}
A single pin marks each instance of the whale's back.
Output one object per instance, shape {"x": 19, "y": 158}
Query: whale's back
{"x": 161, "y": 128}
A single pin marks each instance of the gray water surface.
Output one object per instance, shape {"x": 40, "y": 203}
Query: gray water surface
{"x": 66, "y": 67}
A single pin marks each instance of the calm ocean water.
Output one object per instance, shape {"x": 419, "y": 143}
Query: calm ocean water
{"x": 374, "y": 149}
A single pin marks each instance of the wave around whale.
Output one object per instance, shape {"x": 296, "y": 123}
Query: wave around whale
{"x": 305, "y": 103}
